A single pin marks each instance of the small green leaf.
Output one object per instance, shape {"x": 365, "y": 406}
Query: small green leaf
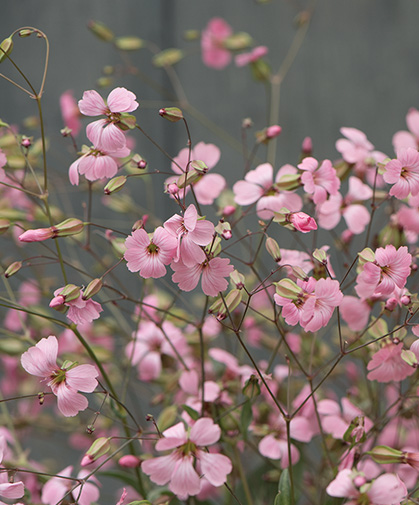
{"x": 190, "y": 411}
{"x": 246, "y": 415}
{"x": 284, "y": 489}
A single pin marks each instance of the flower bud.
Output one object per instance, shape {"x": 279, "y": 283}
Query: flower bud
{"x": 57, "y": 303}
{"x": 237, "y": 279}
{"x": 37, "y": 235}
{"x": 273, "y": 131}
{"x": 115, "y": 185}
{"x": 191, "y": 35}
{"x": 409, "y": 357}
{"x": 101, "y": 31}
{"x": 307, "y": 146}
{"x": 288, "y": 182}
{"x": 232, "y": 301}
{"x": 383, "y": 454}
{"x": 299, "y": 273}
{"x": 247, "y": 123}
{"x": 405, "y": 300}
{"x": 92, "y": 289}
{"x": 25, "y": 32}
{"x": 320, "y": 255}
{"x": 172, "y": 114}
{"x": 359, "y": 480}
{"x": 6, "y": 48}
{"x": 224, "y": 229}
{"x": 273, "y": 249}
{"x": 70, "y": 292}
{"x": 200, "y": 166}
{"x": 302, "y": 222}
{"x": 167, "y": 58}
{"x": 13, "y": 269}
{"x": 367, "y": 254}
{"x": 287, "y": 289}
{"x": 129, "y": 43}
{"x": 129, "y": 461}
{"x": 99, "y": 447}
{"x": 188, "y": 178}
{"x": 68, "y": 227}
{"x": 238, "y": 41}
{"x": 229, "y": 210}
{"x": 26, "y": 142}
{"x": 391, "y": 304}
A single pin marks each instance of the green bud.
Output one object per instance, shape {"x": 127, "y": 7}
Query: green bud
{"x": 273, "y": 249}
{"x": 237, "y": 279}
{"x": 199, "y": 166}
{"x": 288, "y": 182}
{"x": 367, "y": 254}
{"x": 172, "y": 114}
{"x": 320, "y": 256}
{"x": 287, "y": 289}
{"x": 127, "y": 121}
{"x": 238, "y": 41}
{"x": 115, "y": 184}
{"x": 282, "y": 216}
{"x": 70, "y": 292}
{"x": 104, "y": 82}
{"x": 167, "y": 417}
{"x": 99, "y": 448}
{"x": 6, "y": 48}
{"x": 251, "y": 387}
{"x": 25, "y": 32}
{"x": 101, "y": 31}
{"x": 231, "y": 302}
{"x": 409, "y": 357}
{"x": 92, "y": 289}
{"x": 191, "y": 35}
{"x": 13, "y": 269}
{"x": 383, "y": 454}
{"x": 299, "y": 273}
{"x": 129, "y": 43}
{"x": 68, "y": 227}
{"x": 188, "y": 178}
{"x": 167, "y": 58}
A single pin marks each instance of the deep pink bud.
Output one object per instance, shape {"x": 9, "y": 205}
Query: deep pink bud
{"x": 391, "y": 303}
{"x": 307, "y": 146}
{"x": 37, "y": 235}
{"x": 273, "y": 131}
{"x": 57, "y": 301}
{"x": 405, "y": 300}
{"x": 26, "y": 142}
{"x": 87, "y": 460}
{"x": 302, "y": 222}
{"x": 229, "y": 210}
{"x": 129, "y": 461}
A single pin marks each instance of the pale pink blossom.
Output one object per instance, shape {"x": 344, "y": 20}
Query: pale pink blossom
{"x": 147, "y": 254}
{"x": 255, "y": 54}
{"x": 97, "y": 163}
{"x": 258, "y": 186}
{"x": 105, "y": 133}
{"x": 191, "y": 234}
{"x": 387, "y": 365}
{"x": 178, "y": 468}
{"x": 391, "y": 268}
{"x": 406, "y": 139}
{"x": 70, "y": 112}
{"x": 80, "y": 310}
{"x": 387, "y": 489}
{"x": 209, "y": 186}
{"x": 151, "y": 345}
{"x": 319, "y": 180}
{"x": 403, "y": 173}
{"x": 214, "y": 54}
{"x": 9, "y": 490}
{"x": 56, "y": 488}
{"x": 65, "y": 382}
{"x": 275, "y": 445}
{"x": 355, "y": 312}
{"x": 213, "y": 273}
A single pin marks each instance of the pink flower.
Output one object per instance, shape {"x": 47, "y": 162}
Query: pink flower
{"x": 37, "y": 235}
{"x": 403, "y": 173}
{"x": 302, "y": 222}
{"x": 391, "y": 268}
{"x": 178, "y": 468}
{"x": 387, "y": 364}
{"x": 151, "y": 345}
{"x": 326, "y": 296}
{"x": 148, "y": 256}
{"x": 387, "y": 489}
{"x": 96, "y": 163}
{"x": 319, "y": 180}
{"x": 9, "y": 490}
{"x": 41, "y": 361}
{"x": 56, "y": 488}
{"x": 214, "y": 54}
{"x": 209, "y": 186}
{"x": 70, "y": 112}
{"x": 213, "y": 273}
{"x": 255, "y": 54}
{"x": 191, "y": 234}
{"x": 258, "y": 186}
{"x": 355, "y": 312}
{"x": 104, "y": 133}
{"x": 404, "y": 139}
{"x": 81, "y": 311}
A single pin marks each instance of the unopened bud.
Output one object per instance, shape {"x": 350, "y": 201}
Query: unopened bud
{"x": 168, "y": 57}
{"x": 68, "y": 227}
{"x": 57, "y": 303}
{"x": 273, "y": 131}
{"x": 99, "y": 447}
{"x": 307, "y": 146}
{"x": 237, "y": 279}
{"x": 288, "y": 182}
{"x": 70, "y": 292}
{"x": 231, "y": 302}
{"x": 37, "y": 235}
{"x": 129, "y": 461}
{"x": 172, "y": 189}
{"x": 299, "y": 273}
{"x": 287, "y": 289}
{"x": 247, "y": 123}
{"x": 115, "y": 185}
{"x": 101, "y": 31}
{"x": 391, "y": 304}
{"x": 26, "y": 142}
{"x": 142, "y": 164}
{"x": 405, "y": 300}
{"x": 223, "y": 228}
{"x": 66, "y": 131}
{"x": 367, "y": 254}
{"x": 129, "y": 43}
{"x": 13, "y": 269}
{"x": 172, "y": 114}
{"x": 92, "y": 289}
{"x": 382, "y": 454}
{"x": 188, "y": 178}
{"x": 320, "y": 255}
{"x": 409, "y": 357}
{"x": 6, "y": 48}
{"x": 191, "y": 35}
{"x": 229, "y": 210}
{"x": 25, "y": 32}
{"x": 238, "y": 41}
{"x": 273, "y": 249}
{"x": 200, "y": 166}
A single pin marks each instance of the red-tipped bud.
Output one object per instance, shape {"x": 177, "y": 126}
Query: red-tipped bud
{"x": 13, "y": 269}
{"x": 172, "y": 114}
{"x": 70, "y": 292}
{"x": 142, "y": 164}
{"x": 6, "y": 48}
{"x": 115, "y": 184}
{"x": 99, "y": 447}
{"x": 273, "y": 249}
{"x": 302, "y": 222}
{"x": 92, "y": 289}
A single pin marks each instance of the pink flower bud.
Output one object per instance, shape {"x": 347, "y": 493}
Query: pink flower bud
{"x": 57, "y": 302}
{"x": 405, "y": 300}
{"x": 37, "y": 235}
{"x": 129, "y": 461}
{"x": 229, "y": 210}
{"x": 26, "y": 142}
{"x": 227, "y": 234}
{"x": 87, "y": 460}
{"x": 273, "y": 131}
{"x": 173, "y": 189}
{"x": 142, "y": 164}
{"x": 302, "y": 222}
{"x": 391, "y": 304}
{"x": 307, "y": 146}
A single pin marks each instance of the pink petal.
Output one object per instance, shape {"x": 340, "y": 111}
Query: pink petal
{"x": 215, "y": 467}
{"x": 122, "y": 100}
{"x": 185, "y": 481}
{"x": 69, "y": 401}
{"x": 82, "y": 378}
{"x": 205, "y": 432}
{"x": 41, "y": 360}
{"x": 160, "y": 469}
{"x": 92, "y": 104}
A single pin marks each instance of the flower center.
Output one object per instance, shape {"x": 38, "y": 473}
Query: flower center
{"x": 152, "y": 249}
